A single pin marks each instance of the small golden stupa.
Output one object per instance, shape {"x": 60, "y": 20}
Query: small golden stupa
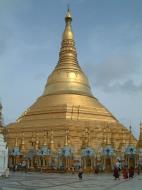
{"x": 67, "y": 111}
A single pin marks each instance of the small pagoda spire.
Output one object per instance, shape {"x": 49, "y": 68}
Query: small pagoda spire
{"x": 67, "y": 140}
{"x": 16, "y": 141}
{"x": 83, "y": 140}
{"x": 23, "y": 143}
{"x": 139, "y": 144}
{"x": 87, "y": 137}
{"x": 123, "y": 137}
{"x": 123, "y": 140}
{"x": 45, "y": 138}
{"x": 37, "y": 142}
{"x": 104, "y": 137}
{"x": 52, "y": 141}
{"x": 1, "y": 119}
{"x": 32, "y": 140}
{"x": 130, "y": 134}
{"x": 108, "y": 136}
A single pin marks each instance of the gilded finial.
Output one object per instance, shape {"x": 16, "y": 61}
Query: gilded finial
{"x": 87, "y": 137}
{"x": 23, "y": 143}
{"x": 37, "y": 142}
{"x": 130, "y": 128}
{"x": 68, "y": 34}
{"x": 16, "y": 141}
{"x": 67, "y": 140}
{"x": 32, "y": 140}
{"x": 123, "y": 137}
{"x": 1, "y": 119}
{"x": 45, "y": 139}
{"x": 109, "y": 135}
{"x": 130, "y": 134}
{"x": 52, "y": 141}
{"x": 104, "y": 137}
{"x": 68, "y": 15}
{"x": 0, "y": 106}
{"x": 139, "y": 144}
{"x": 140, "y": 124}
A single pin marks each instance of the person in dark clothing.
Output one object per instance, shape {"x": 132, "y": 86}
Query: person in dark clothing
{"x": 131, "y": 172}
{"x": 125, "y": 173}
{"x": 138, "y": 170}
{"x": 116, "y": 172}
{"x": 80, "y": 173}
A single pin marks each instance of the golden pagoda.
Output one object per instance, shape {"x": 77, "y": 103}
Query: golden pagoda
{"x": 67, "y": 106}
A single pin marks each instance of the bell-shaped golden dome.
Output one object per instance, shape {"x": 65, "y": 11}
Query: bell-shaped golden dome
{"x": 67, "y": 76}
{"x": 67, "y": 104}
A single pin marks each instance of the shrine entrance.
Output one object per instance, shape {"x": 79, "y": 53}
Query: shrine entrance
{"x": 132, "y": 162}
{"x": 108, "y": 165}
{"x": 88, "y": 162}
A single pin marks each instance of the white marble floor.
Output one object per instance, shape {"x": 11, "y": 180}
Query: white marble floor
{"x": 38, "y": 181}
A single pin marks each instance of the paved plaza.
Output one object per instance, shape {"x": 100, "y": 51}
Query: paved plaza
{"x": 44, "y": 181}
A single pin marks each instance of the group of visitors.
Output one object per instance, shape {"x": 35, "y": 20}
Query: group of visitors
{"x": 127, "y": 173}
{"x": 20, "y": 166}
{"x": 117, "y": 172}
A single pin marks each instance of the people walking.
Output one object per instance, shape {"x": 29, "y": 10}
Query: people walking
{"x": 116, "y": 172}
{"x": 125, "y": 173}
{"x": 138, "y": 170}
{"x": 80, "y": 174}
{"x": 131, "y": 172}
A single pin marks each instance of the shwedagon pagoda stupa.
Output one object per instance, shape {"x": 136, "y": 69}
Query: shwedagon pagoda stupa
{"x": 67, "y": 113}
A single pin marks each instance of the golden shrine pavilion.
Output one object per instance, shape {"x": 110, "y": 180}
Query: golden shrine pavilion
{"x": 67, "y": 126}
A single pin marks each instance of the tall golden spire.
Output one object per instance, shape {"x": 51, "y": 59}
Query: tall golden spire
{"x": 67, "y": 76}
{"x": 68, "y": 55}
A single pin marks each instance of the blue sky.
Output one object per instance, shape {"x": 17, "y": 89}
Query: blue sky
{"x": 108, "y": 36}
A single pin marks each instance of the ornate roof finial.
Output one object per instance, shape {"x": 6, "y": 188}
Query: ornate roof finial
{"x": 16, "y": 141}
{"x": 45, "y": 138}
{"x": 23, "y": 143}
{"x": 37, "y": 142}
{"x": 87, "y": 137}
{"x": 140, "y": 124}
{"x": 52, "y": 141}
{"x": 123, "y": 137}
{"x": 104, "y": 136}
{"x": 109, "y": 136}
{"x": 0, "y": 106}
{"x": 68, "y": 34}
{"x": 67, "y": 140}
{"x": 139, "y": 144}
{"x": 130, "y": 134}
{"x": 1, "y": 119}
{"x": 130, "y": 128}
{"x": 32, "y": 140}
